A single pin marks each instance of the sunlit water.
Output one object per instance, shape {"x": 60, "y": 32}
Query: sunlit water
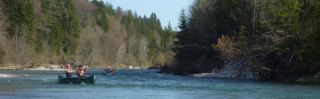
{"x": 146, "y": 84}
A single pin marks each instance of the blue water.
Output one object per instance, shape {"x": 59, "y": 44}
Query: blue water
{"x": 146, "y": 84}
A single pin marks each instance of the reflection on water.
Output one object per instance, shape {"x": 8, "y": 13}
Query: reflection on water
{"x": 145, "y": 84}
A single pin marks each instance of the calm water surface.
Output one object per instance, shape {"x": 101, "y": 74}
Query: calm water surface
{"x": 146, "y": 84}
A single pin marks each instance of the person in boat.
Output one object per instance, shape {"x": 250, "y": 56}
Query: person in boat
{"x": 110, "y": 69}
{"x": 81, "y": 70}
{"x": 68, "y": 70}
{"x": 113, "y": 70}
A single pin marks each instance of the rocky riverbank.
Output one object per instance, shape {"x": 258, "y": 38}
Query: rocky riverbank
{"x": 234, "y": 70}
{"x": 48, "y": 67}
{"x": 242, "y": 69}
{"x": 15, "y": 67}
{"x": 39, "y": 67}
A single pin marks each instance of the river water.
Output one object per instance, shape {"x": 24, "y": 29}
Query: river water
{"x": 146, "y": 84}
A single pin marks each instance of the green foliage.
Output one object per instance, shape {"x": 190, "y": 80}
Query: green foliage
{"x": 281, "y": 35}
{"x": 183, "y": 20}
{"x": 127, "y": 19}
{"x": 61, "y": 26}
{"x": 149, "y": 28}
{"x": 102, "y": 11}
{"x": 21, "y": 16}
{"x": 310, "y": 41}
{"x": 208, "y": 21}
{"x": 52, "y": 28}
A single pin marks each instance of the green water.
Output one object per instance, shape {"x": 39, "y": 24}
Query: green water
{"x": 146, "y": 84}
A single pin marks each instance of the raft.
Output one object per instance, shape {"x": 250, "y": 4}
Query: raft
{"x": 77, "y": 80}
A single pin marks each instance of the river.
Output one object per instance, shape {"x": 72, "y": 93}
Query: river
{"x": 146, "y": 84}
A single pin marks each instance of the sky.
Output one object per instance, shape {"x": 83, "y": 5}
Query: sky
{"x": 168, "y": 11}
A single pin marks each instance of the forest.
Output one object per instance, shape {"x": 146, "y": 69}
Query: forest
{"x": 41, "y": 32}
{"x": 270, "y": 39}
{"x": 273, "y": 39}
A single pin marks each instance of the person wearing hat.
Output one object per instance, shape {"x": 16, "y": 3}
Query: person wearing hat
{"x": 69, "y": 70}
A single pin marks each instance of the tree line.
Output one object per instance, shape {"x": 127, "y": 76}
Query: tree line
{"x": 37, "y": 32}
{"x": 279, "y": 38}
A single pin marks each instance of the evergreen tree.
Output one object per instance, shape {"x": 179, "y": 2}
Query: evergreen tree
{"x": 21, "y": 16}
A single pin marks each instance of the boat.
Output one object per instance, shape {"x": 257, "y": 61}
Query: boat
{"x": 77, "y": 80}
{"x": 109, "y": 71}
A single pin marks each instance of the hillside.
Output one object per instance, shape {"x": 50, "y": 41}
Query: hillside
{"x": 37, "y": 32}
{"x": 269, "y": 39}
